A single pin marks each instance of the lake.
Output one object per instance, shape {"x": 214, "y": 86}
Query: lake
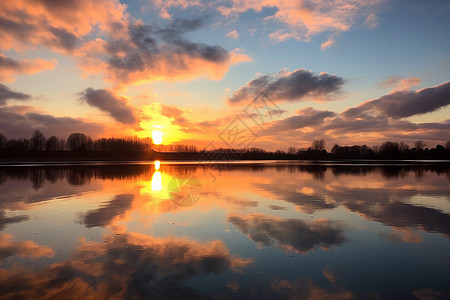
{"x": 274, "y": 230}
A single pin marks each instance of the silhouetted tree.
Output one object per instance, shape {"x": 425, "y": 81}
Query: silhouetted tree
{"x": 403, "y": 147}
{"x": 389, "y": 150}
{"x": 3, "y": 141}
{"x": 419, "y": 145}
{"x": 318, "y": 145}
{"x": 77, "y": 142}
{"x": 291, "y": 150}
{"x": 447, "y": 144}
{"x": 55, "y": 144}
{"x": 37, "y": 141}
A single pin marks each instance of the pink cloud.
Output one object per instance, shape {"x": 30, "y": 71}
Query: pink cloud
{"x": 304, "y": 19}
{"x": 10, "y": 67}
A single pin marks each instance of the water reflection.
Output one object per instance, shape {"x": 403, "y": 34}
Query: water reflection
{"x": 258, "y": 231}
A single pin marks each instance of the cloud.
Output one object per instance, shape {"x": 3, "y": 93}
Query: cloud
{"x": 105, "y": 100}
{"x": 152, "y": 53}
{"x": 22, "y": 121}
{"x": 290, "y": 234}
{"x": 26, "y": 23}
{"x": 371, "y": 21}
{"x": 399, "y": 84}
{"x": 9, "y": 67}
{"x": 232, "y": 35}
{"x": 305, "y": 19}
{"x": 7, "y": 94}
{"x": 165, "y": 5}
{"x": 104, "y": 215}
{"x": 299, "y": 85}
{"x": 325, "y": 45}
{"x": 304, "y": 118}
{"x": 404, "y": 104}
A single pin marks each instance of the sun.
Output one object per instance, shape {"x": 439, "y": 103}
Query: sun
{"x": 157, "y": 135}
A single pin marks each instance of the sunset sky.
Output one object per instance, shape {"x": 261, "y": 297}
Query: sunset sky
{"x": 280, "y": 73}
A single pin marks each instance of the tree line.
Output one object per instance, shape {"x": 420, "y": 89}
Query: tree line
{"x": 77, "y": 142}
{"x": 80, "y": 143}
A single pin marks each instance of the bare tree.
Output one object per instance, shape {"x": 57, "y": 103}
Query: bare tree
{"x": 37, "y": 141}
{"x": 292, "y": 150}
{"x": 318, "y": 145}
{"x": 403, "y": 147}
{"x": 3, "y": 141}
{"x": 447, "y": 144}
{"x": 77, "y": 142}
{"x": 55, "y": 144}
{"x": 420, "y": 145}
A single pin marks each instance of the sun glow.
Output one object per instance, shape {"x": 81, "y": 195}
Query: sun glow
{"x": 159, "y": 127}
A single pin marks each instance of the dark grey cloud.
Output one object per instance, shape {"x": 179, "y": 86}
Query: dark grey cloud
{"x": 304, "y": 118}
{"x": 24, "y": 32}
{"x": 404, "y": 104}
{"x": 158, "y": 51}
{"x": 21, "y": 30}
{"x": 290, "y": 234}
{"x": 104, "y": 215}
{"x": 295, "y": 86}
{"x": 21, "y": 122}
{"x": 105, "y": 100}
{"x": 5, "y": 92}
{"x": 63, "y": 39}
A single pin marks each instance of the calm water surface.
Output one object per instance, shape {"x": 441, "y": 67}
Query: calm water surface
{"x": 245, "y": 231}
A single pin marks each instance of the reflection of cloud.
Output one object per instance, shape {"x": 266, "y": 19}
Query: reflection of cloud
{"x": 404, "y": 215}
{"x": 289, "y": 86}
{"x": 304, "y": 288}
{"x": 104, "y": 215}
{"x": 4, "y": 220}
{"x": 308, "y": 203}
{"x": 289, "y": 234}
{"x": 126, "y": 266}
{"x": 23, "y": 249}
{"x": 430, "y": 294}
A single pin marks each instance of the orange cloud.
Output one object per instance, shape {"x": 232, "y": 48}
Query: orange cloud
{"x": 325, "y": 45}
{"x": 399, "y": 84}
{"x": 10, "y": 67}
{"x": 232, "y": 35}
{"x": 57, "y": 24}
{"x": 305, "y": 19}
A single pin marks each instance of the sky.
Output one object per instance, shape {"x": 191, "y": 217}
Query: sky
{"x": 268, "y": 74}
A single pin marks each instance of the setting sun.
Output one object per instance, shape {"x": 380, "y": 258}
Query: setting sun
{"x": 157, "y": 135}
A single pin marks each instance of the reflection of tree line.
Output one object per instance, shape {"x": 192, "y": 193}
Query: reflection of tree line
{"x": 80, "y": 175}
{"x": 74, "y": 175}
